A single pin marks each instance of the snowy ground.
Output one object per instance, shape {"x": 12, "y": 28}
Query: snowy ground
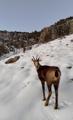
{"x": 20, "y": 89}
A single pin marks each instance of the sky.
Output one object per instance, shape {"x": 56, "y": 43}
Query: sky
{"x": 31, "y": 15}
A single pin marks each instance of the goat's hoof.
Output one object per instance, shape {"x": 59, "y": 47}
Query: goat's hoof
{"x": 55, "y": 107}
{"x": 46, "y": 104}
{"x": 43, "y": 99}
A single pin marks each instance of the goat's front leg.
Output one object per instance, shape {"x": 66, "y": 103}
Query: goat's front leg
{"x": 56, "y": 96}
{"x": 49, "y": 95}
{"x": 43, "y": 89}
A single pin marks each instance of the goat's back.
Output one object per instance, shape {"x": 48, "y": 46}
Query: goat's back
{"x": 50, "y": 74}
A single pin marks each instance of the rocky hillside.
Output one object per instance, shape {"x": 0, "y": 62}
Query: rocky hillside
{"x": 57, "y": 30}
{"x": 11, "y": 40}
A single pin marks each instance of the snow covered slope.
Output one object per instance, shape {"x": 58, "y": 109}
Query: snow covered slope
{"x": 20, "y": 89}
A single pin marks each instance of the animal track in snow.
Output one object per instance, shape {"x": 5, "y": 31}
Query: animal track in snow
{"x": 64, "y": 104}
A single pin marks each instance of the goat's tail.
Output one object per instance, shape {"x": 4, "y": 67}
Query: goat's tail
{"x": 58, "y": 73}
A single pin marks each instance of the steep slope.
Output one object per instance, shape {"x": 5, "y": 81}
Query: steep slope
{"x": 20, "y": 89}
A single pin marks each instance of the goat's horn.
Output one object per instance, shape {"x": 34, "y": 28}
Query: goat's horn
{"x": 33, "y": 58}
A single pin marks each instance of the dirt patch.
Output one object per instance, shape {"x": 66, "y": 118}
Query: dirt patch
{"x": 12, "y": 60}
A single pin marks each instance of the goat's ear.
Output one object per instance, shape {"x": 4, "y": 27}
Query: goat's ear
{"x": 39, "y": 59}
{"x": 33, "y": 59}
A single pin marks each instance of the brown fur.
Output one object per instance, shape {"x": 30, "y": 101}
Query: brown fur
{"x": 50, "y": 75}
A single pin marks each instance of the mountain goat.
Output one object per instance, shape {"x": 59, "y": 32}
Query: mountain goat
{"x": 50, "y": 75}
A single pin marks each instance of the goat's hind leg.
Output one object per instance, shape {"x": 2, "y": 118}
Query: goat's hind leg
{"x": 56, "y": 96}
{"x": 43, "y": 89}
{"x": 49, "y": 95}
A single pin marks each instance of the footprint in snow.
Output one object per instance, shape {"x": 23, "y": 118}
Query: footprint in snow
{"x": 22, "y": 67}
{"x": 64, "y": 104}
{"x": 69, "y": 67}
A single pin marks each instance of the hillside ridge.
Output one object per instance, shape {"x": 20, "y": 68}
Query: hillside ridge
{"x": 11, "y": 40}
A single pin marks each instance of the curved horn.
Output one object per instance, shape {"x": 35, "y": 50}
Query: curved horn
{"x": 33, "y": 58}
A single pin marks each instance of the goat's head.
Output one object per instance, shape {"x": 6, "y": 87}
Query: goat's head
{"x": 36, "y": 62}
